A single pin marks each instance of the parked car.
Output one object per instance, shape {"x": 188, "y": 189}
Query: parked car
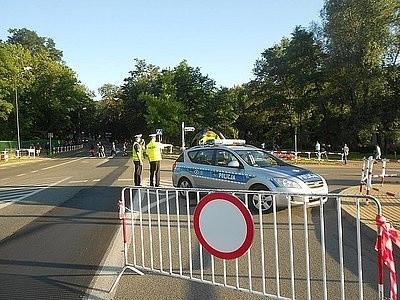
{"x": 233, "y": 165}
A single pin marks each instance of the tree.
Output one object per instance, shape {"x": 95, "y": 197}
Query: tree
{"x": 110, "y": 111}
{"x": 31, "y": 41}
{"x": 196, "y": 93}
{"x": 144, "y": 79}
{"x": 50, "y": 98}
{"x": 358, "y": 35}
{"x": 288, "y": 84}
{"x": 13, "y": 78}
{"x": 165, "y": 111}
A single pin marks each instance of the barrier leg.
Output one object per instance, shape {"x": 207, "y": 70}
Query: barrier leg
{"x": 380, "y": 266}
{"x": 362, "y": 176}
{"x": 369, "y": 176}
{"x": 127, "y": 265}
{"x": 383, "y": 174}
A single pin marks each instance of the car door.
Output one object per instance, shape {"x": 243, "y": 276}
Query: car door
{"x": 201, "y": 168}
{"x": 228, "y": 172}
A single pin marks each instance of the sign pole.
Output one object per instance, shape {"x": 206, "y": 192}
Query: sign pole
{"x": 50, "y": 135}
{"x": 183, "y": 136}
{"x": 295, "y": 143}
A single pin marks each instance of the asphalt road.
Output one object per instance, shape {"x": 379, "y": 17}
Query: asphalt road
{"x": 58, "y": 219}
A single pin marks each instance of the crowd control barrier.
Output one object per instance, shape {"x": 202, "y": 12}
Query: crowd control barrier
{"x": 367, "y": 173}
{"x": 310, "y": 155}
{"x": 293, "y": 253}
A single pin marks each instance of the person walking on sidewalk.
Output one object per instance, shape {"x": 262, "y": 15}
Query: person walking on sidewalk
{"x": 113, "y": 150}
{"x": 377, "y": 152}
{"x": 345, "y": 153}
{"x": 318, "y": 150}
{"x": 154, "y": 149}
{"x": 137, "y": 157}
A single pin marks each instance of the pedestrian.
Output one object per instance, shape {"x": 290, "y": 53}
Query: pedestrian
{"x": 124, "y": 148}
{"x": 137, "y": 157}
{"x": 324, "y": 153}
{"x": 38, "y": 149}
{"x": 318, "y": 150}
{"x": 378, "y": 152}
{"x": 113, "y": 150}
{"x": 91, "y": 151}
{"x": 101, "y": 150}
{"x": 345, "y": 153}
{"x": 154, "y": 149}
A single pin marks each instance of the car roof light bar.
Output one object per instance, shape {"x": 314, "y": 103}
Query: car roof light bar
{"x": 230, "y": 142}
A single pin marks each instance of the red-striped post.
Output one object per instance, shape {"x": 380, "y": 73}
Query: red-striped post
{"x": 362, "y": 175}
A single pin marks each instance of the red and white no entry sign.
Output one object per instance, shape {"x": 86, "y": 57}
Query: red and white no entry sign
{"x": 223, "y": 225}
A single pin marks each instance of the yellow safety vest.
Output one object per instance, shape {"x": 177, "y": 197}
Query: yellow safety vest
{"x": 137, "y": 156}
{"x": 154, "y": 151}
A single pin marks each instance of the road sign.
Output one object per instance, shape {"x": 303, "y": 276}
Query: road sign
{"x": 189, "y": 128}
{"x": 223, "y": 225}
{"x": 49, "y": 134}
{"x": 159, "y": 131}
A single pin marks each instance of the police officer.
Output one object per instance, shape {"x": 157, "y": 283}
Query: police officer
{"x": 154, "y": 154}
{"x": 137, "y": 157}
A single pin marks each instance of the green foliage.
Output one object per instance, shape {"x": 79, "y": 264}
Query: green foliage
{"x": 34, "y": 43}
{"x": 155, "y": 98}
{"x": 48, "y": 92}
{"x": 337, "y": 82}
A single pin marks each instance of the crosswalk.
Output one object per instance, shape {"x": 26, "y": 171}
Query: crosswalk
{"x": 13, "y": 194}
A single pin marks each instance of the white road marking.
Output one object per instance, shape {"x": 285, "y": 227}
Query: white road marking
{"x": 78, "y": 181}
{"x": 24, "y": 195}
{"x": 19, "y": 175}
{"x": 64, "y": 163}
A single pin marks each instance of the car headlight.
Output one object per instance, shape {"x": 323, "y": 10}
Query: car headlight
{"x": 284, "y": 182}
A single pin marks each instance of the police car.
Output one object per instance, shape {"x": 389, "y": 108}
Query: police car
{"x": 233, "y": 165}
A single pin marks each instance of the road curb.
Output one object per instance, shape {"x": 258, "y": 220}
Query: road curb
{"x": 383, "y": 191}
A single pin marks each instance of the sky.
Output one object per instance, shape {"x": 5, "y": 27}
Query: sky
{"x": 100, "y": 39}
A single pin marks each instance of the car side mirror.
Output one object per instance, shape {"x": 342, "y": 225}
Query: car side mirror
{"x": 234, "y": 164}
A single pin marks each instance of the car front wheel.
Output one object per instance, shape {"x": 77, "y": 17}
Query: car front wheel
{"x": 184, "y": 183}
{"x": 260, "y": 199}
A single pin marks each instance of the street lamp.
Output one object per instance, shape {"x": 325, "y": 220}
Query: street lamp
{"x": 79, "y": 124}
{"x": 16, "y": 108}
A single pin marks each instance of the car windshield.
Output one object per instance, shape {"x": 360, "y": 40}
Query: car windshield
{"x": 259, "y": 158}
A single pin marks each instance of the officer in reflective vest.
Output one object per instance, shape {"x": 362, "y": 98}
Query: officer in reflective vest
{"x": 137, "y": 157}
{"x": 154, "y": 154}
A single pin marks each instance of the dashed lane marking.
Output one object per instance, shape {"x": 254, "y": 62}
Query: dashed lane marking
{"x": 78, "y": 181}
{"x": 61, "y": 164}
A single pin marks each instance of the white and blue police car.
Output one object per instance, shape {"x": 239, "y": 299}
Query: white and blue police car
{"x": 234, "y": 165}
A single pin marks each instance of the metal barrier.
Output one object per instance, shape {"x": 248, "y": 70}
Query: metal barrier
{"x": 310, "y": 155}
{"x": 367, "y": 173}
{"x": 61, "y": 149}
{"x": 296, "y": 253}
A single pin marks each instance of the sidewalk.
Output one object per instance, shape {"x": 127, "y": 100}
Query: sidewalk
{"x": 389, "y": 197}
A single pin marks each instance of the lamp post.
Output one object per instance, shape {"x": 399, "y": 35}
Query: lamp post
{"x": 16, "y": 108}
{"x": 17, "y": 117}
{"x": 79, "y": 124}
